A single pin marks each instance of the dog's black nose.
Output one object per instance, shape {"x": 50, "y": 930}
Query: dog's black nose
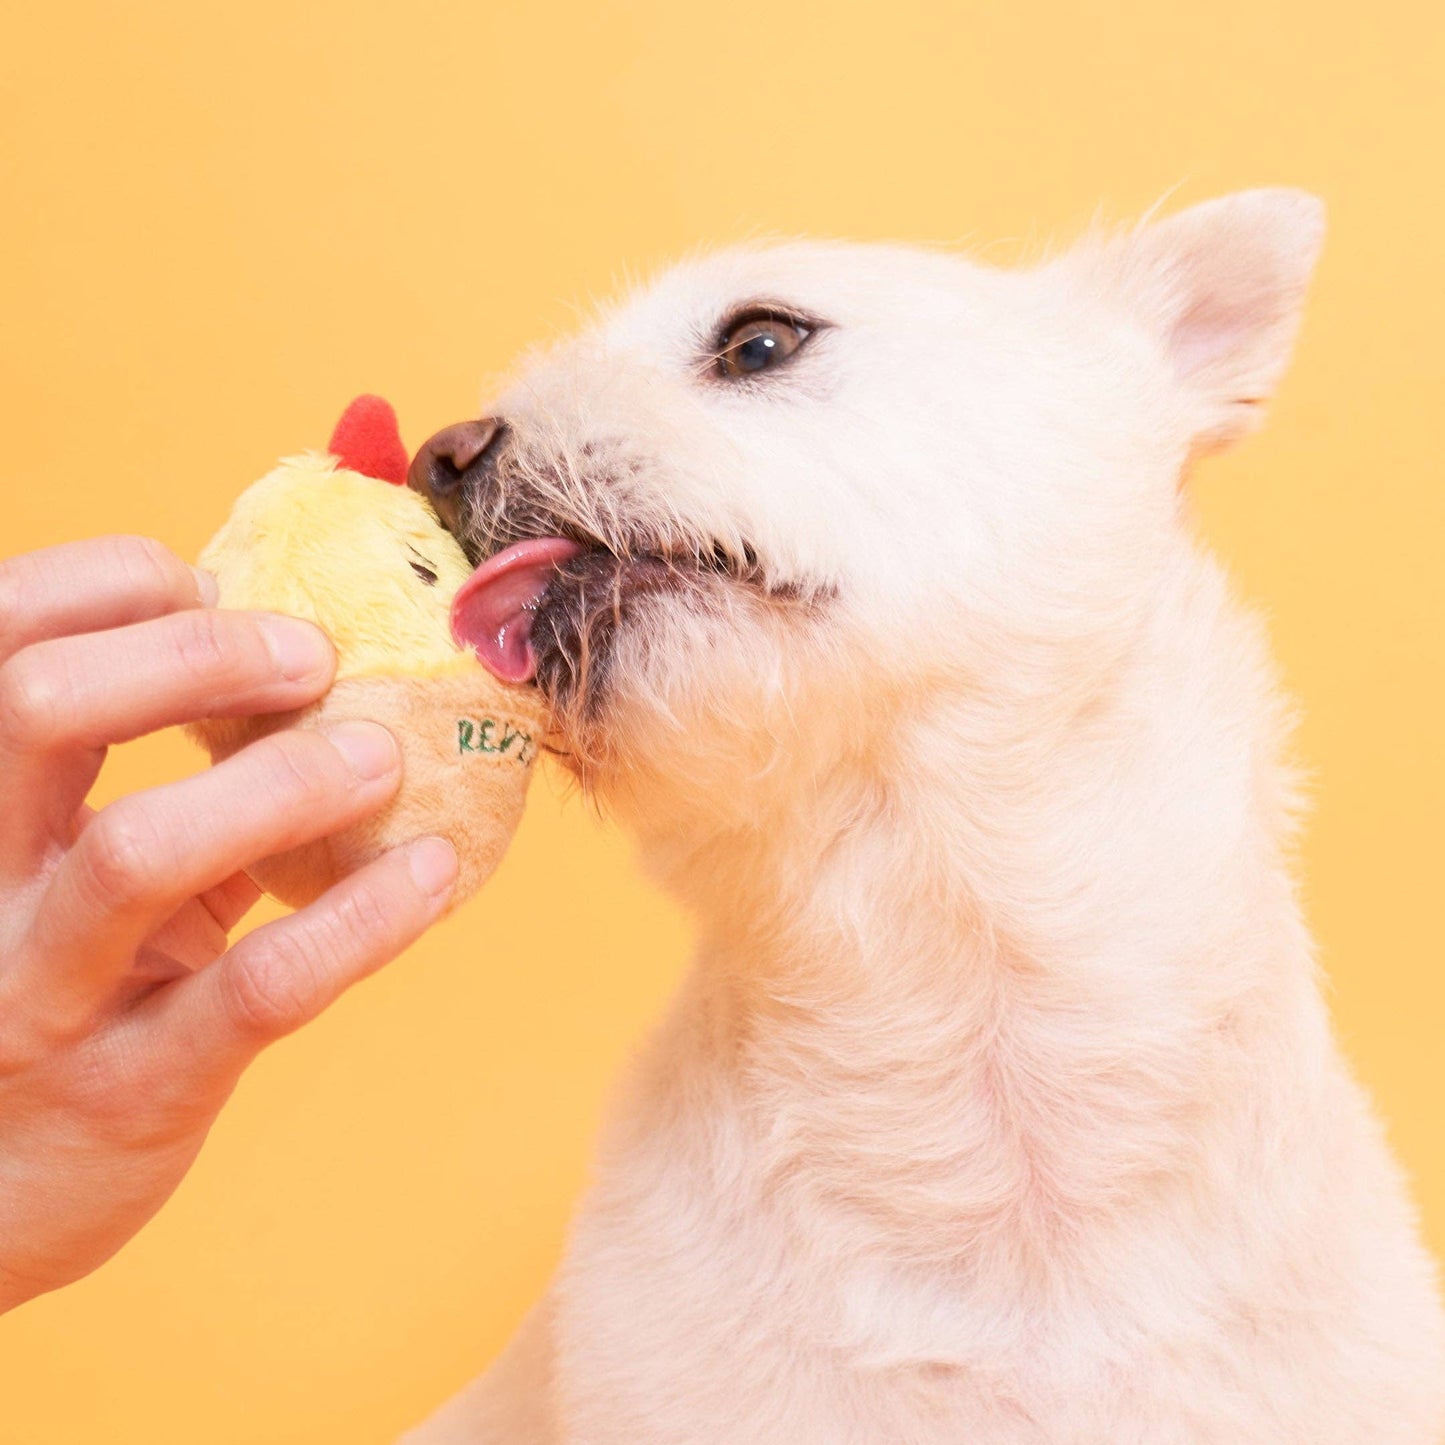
{"x": 457, "y": 455}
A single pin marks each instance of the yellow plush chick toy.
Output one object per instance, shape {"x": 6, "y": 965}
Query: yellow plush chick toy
{"x": 341, "y": 541}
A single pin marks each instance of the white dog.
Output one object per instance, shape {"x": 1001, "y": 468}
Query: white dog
{"x": 1001, "y": 1105}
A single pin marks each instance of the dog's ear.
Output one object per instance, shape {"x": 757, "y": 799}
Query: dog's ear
{"x": 1221, "y": 286}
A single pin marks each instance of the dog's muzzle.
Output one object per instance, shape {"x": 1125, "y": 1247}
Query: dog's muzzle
{"x": 551, "y": 590}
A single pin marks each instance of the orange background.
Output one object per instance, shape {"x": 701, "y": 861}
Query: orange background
{"x": 223, "y": 221}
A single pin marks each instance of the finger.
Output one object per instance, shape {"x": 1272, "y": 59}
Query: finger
{"x": 142, "y": 857}
{"x": 231, "y": 900}
{"x": 63, "y": 701}
{"x": 286, "y": 972}
{"x": 188, "y": 940}
{"x": 87, "y": 586}
{"x": 195, "y": 934}
{"x": 227, "y": 903}
{"x": 109, "y": 687}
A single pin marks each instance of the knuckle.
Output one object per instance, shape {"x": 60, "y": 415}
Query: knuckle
{"x": 30, "y": 700}
{"x": 149, "y": 566}
{"x": 302, "y": 772}
{"x": 265, "y": 991}
{"x": 205, "y": 645}
{"x": 361, "y": 914}
{"x": 123, "y": 854}
{"x": 274, "y": 987}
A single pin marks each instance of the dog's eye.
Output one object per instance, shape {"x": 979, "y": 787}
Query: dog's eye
{"x": 757, "y": 342}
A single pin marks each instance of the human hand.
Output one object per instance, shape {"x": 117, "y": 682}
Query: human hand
{"x": 125, "y": 1020}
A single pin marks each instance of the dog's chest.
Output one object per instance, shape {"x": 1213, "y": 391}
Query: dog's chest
{"x": 710, "y": 1295}
{"x": 693, "y": 1322}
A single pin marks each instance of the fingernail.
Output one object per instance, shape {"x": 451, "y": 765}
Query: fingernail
{"x": 299, "y": 649}
{"x": 433, "y": 865}
{"x": 369, "y": 749}
{"x": 207, "y": 589}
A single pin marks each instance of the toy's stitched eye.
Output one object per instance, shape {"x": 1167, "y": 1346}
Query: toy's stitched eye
{"x": 422, "y": 567}
{"x": 754, "y": 343}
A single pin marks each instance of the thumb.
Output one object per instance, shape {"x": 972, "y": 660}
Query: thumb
{"x": 285, "y": 973}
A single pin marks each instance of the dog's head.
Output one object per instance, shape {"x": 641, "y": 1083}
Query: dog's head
{"x": 769, "y": 507}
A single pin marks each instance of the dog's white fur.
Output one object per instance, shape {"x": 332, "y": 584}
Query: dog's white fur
{"x": 1001, "y": 1105}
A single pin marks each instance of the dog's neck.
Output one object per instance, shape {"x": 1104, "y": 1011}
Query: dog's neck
{"x": 991, "y": 987}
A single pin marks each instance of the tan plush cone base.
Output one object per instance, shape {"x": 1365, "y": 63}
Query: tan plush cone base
{"x": 467, "y": 744}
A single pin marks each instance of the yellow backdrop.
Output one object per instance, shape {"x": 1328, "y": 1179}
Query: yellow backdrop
{"x": 221, "y": 221}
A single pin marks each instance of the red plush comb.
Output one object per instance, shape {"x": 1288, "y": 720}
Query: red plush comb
{"x": 368, "y": 440}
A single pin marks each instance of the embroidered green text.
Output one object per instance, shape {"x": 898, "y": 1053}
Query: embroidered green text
{"x": 496, "y": 737}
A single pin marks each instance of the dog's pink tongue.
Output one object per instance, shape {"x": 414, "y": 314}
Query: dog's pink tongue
{"x": 493, "y": 609}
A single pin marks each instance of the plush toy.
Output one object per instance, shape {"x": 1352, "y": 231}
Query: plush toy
{"x": 341, "y": 541}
